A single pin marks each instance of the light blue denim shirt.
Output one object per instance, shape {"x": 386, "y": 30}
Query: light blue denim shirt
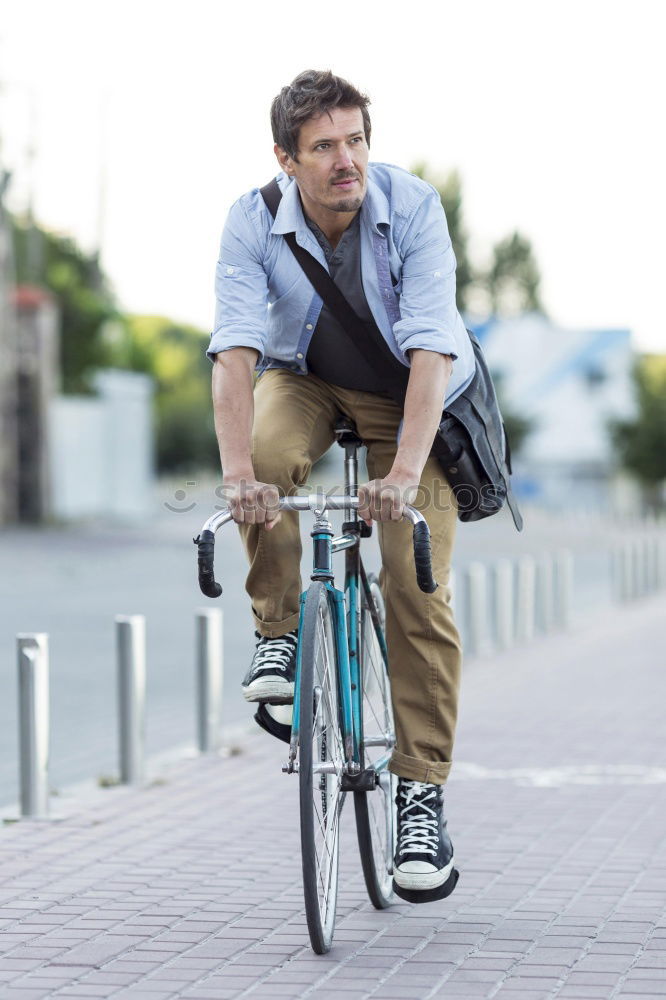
{"x": 265, "y": 301}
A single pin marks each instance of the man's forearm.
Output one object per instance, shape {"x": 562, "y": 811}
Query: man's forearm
{"x": 428, "y": 379}
{"x": 233, "y": 405}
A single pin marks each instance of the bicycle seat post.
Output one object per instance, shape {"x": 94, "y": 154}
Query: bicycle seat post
{"x": 351, "y": 476}
{"x": 348, "y": 438}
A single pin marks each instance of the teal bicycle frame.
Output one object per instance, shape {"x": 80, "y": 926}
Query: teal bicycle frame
{"x": 346, "y": 614}
{"x": 345, "y": 605}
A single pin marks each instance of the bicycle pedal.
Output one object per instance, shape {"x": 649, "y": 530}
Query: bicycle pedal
{"x": 365, "y": 781}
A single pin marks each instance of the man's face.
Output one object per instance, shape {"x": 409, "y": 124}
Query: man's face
{"x": 331, "y": 170}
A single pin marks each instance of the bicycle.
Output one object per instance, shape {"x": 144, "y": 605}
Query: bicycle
{"x": 342, "y": 730}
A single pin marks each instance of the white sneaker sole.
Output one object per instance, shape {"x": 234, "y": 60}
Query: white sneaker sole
{"x": 271, "y": 690}
{"x": 422, "y": 880}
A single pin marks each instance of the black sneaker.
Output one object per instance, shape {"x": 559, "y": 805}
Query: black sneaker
{"x": 423, "y": 870}
{"x": 272, "y": 671}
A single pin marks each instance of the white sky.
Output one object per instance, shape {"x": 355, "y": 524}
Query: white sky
{"x": 551, "y": 112}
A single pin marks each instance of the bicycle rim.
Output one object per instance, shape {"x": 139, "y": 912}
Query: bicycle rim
{"x": 375, "y": 810}
{"x": 321, "y": 760}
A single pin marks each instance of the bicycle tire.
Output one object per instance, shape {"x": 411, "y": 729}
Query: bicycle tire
{"x": 320, "y": 743}
{"x": 375, "y": 810}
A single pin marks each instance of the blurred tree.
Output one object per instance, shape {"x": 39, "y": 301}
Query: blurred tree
{"x": 84, "y": 298}
{"x": 174, "y": 354}
{"x": 641, "y": 443}
{"x": 450, "y": 192}
{"x": 513, "y": 278}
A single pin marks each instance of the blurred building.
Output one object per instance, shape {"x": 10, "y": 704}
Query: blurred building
{"x": 8, "y": 369}
{"x": 569, "y": 383}
{"x": 67, "y": 457}
{"x": 101, "y": 449}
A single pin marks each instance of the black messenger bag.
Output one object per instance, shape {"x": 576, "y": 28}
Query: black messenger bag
{"x": 471, "y": 443}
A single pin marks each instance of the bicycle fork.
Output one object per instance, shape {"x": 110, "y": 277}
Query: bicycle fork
{"x": 322, "y": 535}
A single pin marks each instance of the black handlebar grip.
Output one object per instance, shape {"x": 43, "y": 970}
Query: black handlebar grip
{"x": 205, "y": 543}
{"x": 424, "y": 576}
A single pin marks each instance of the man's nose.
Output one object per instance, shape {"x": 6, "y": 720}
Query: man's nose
{"x": 343, "y": 160}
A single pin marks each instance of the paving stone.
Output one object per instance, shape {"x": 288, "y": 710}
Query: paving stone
{"x": 149, "y": 896}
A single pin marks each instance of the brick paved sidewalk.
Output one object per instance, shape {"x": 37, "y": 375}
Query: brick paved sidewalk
{"x": 191, "y": 887}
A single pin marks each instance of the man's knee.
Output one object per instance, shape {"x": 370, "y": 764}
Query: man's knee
{"x": 278, "y": 461}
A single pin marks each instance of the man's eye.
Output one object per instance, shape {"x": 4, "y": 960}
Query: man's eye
{"x": 322, "y": 145}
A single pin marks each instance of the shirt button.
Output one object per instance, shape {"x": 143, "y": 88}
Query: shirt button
{"x": 299, "y": 356}
{"x": 308, "y": 326}
{"x": 230, "y": 270}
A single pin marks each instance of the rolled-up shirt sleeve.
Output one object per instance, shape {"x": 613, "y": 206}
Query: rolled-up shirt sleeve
{"x": 428, "y": 314}
{"x": 241, "y": 288}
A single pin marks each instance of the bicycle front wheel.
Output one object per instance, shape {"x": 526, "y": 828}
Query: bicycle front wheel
{"x": 375, "y": 810}
{"x": 321, "y": 760}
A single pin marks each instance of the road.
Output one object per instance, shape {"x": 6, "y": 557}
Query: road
{"x": 71, "y": 581}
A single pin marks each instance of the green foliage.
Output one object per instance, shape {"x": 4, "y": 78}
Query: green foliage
{"x": 85, "y": 301}
{"x": 94, "y": 334}
{"x": 513, "y": 278}
{"x": 174, "y": 354}
{"x": 641, "y": 443}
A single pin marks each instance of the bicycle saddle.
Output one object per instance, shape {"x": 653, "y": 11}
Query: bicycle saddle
{"x": 346, "y": 433}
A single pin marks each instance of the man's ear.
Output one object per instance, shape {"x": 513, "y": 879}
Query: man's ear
{"x": 284, "y": 159}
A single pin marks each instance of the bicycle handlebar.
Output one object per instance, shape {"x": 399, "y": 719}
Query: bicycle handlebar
{"x": 205, "y": 541}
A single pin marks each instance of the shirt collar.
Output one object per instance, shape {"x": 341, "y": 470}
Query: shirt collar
{"x": 290, "y": 219}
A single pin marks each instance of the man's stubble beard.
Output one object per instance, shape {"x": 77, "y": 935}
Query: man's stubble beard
{"x": 347, "y": 205}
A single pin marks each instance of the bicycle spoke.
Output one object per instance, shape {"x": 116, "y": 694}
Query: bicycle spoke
{"x": 326, "y": 855}
{"x": 321, "y": 766}
{"x": 374, "y": 809}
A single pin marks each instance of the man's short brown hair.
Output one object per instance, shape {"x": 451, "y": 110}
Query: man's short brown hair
{"x": 310, "y": 94}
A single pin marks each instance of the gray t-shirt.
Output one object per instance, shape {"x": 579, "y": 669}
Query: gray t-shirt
{"x": 332, "y": 354}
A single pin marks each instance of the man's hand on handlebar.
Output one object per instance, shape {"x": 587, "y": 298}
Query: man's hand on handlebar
{"x": 384, "y": 499}
{"x": 252, "y": 502}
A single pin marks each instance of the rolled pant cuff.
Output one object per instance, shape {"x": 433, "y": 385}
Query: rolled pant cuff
{"x": 275, "y": 629}
{"x": 416, "y": 769}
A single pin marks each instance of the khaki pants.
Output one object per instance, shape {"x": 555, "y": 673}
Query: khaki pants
{"x": 293, "y": 427}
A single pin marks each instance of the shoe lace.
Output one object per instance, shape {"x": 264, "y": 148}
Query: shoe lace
{"x": 274, "y": 653}
{"x": 418, "y": 815}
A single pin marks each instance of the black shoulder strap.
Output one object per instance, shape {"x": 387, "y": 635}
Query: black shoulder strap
{"x": 382, "y": 358}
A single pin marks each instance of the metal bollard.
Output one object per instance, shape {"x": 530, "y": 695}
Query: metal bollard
{"x": 648, "y": 562}
{"x": 623, "y": 580}
{"x": 563, "y": 588}
{"x": 476, "y": 594}
{"x": 525, "y": 604}
{"x": 131, "y": 652}
{"x": 33, "y": 698}
{"x": 458, "y": 605}
{"x": 637, "y": 568}
{"x": 453, "y": 588}
{"x": 503, "y": 603}
{"x": 544, "y": 593}
{"x": 661, "y": 562}
{"x": 209, "y": 632}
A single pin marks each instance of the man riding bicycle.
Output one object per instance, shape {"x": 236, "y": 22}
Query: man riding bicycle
{"x": 381, "y": 233}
